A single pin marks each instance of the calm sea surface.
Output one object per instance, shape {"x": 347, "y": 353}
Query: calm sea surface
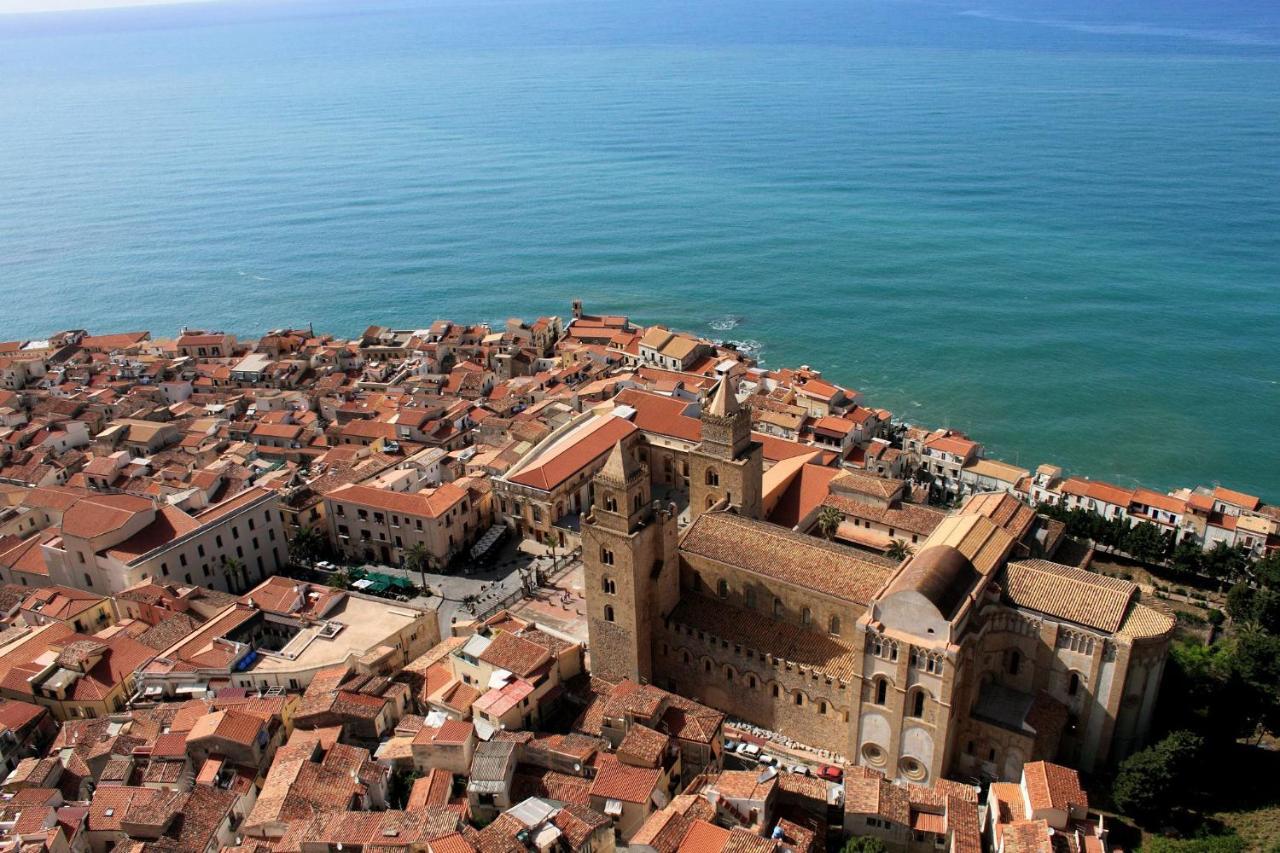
{"x": 1053, "y": 225}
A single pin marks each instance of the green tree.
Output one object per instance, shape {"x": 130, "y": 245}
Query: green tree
{"x": 829, "y": 519}
{"x": 1257, "y": 663}
{"x": 416, "y": 559}
{"x": 1225, "y": 563}
{"x": 1155, "y": 780}
{"x": 306, "y": 546}
{"x": 865, "y": 844}
{"x": 236, "y": 573}
{"x": 1144, "y": 542}
{"x": 1187, "y": 558}
{"x": 1267, "y": 570}
{"x": 898, "y": 550}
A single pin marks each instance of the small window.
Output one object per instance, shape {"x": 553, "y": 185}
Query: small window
{"x": 882, "y": 690}
{"x": 722, "y": 588}
{"x": 606, "y": 556}
{"x": 1073, "y": 684}
{"x": 917, "y": 704}
{"x": 806, "y": 616}
{"x": 1015, "y": 662}
{"x": 777, "y": 608}
{"x": 608, "y": 613}
{"x": 833, "y": 626}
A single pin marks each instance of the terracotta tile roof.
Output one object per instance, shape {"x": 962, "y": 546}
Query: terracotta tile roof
{"x": 1028, "y": 836}
{"x": 663, "y": 830}
{"x": 1052, "y": 786}
{"x": 744, "y": 785}
{"x": 500, "y": 836}
{"x": 867, "y": 792}
{"x": 573, "y": 452}
{"x": 531, "y": 781}
{"x": 434, "y": 789}
{"x": 1143, "y": 622}
{"x": 742, "y": 841}
{"x": 704, "y": 837}
{"x": 1087, "y": 598}
{"x": 515, "y": 654}
{"x": 783, "y": 555}
{"x": 1235, "y": 498}
{"x": 230, "y": 725}
{"x": 663, "y": 415}
{"x": 617, "y": 781}
{"x": 642, "y": 746}
{"x": 431, "y": 504}
{"x": 95, "y": 516}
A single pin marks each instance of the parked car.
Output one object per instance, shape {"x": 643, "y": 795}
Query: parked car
{"x": 830, "y": 773}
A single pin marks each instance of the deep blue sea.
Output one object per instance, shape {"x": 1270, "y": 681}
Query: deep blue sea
{"x": 1055, "y": 225}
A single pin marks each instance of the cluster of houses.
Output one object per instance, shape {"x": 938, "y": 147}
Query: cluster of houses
{"x": 164, "y": 685}
{"x": 495, "y": 740}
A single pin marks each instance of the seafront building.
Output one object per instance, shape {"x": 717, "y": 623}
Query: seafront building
{"x": 764, "y": 556}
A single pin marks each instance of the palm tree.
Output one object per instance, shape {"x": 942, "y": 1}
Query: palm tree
{"x": 416, "y": 559}
{"x": 898, "y": 550}
{"x": 829, "y": 519}
{"x": 305, "y": 546}
{"x": 237, "y": 574}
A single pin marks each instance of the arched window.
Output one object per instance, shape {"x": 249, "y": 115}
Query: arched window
{"x": 722, "y": 588}
{"x": 608, "y": 613}
{"x": 777, "y": 692}
{"x": 639, "y": 499}
{"x": 706, "y": 665}
{"x": 1015, "y": 662}
{"x": 777, "y": 608}
{"x": 606, "y": 556}
{"x": 688, "y": 658}
{"x": 608, "y": 585}
{"x": 882, "y": 690}
{"x": 711, "y": 501}
{"x": 917, "y": 703}
{"x": 728, "y": 674}
{"x": 1073, "y": 684}
{"x": 611, "y": 504}
{"x": 798, "y": 698}
{"x": 751, "y": 681}
{"x": 822, "y": 708}
{"x": 806, "y": 616}
{"x": 833, "y": 627}
{"x": 713, "y": 477}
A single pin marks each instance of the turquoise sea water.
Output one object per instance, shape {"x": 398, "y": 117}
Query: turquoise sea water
{"x": 1053, "y": 225}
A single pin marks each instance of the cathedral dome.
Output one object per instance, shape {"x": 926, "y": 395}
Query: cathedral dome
{"x": 941, "y": 574}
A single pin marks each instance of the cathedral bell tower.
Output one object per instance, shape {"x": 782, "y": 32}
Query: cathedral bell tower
{"x": 629, "y": 556}
{"x": 727, "y": 465}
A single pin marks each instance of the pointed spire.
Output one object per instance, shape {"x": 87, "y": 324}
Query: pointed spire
{"x": 724, "y": 404}
{"x": 621, "y": 466}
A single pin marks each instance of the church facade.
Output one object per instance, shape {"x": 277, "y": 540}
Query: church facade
{"x": 968, "y": 658}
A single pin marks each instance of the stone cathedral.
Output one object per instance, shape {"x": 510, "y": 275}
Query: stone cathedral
{"x": 968, "y": 658}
